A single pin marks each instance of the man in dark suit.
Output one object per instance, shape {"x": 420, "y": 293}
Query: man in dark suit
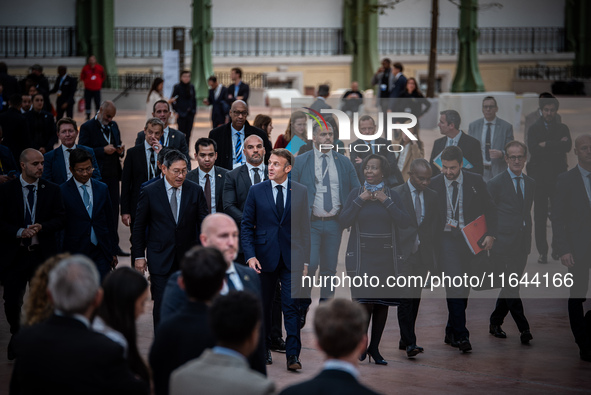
{"x": 186, "y": 334}
{"x": 399, "y": 86}
{"x": 449, "y": 126}
{"x": 320, "y": 102}
{"x": 65, "y": 87}
{"x": 513, "y": 195}
{"x": 238, "y": 90}
{"x": 209, "y": 177}
{"x": 230, "y": 138}
{"x": 571, "y": 226}
{"x": 8, "y": 82}
{"x": 102, "y": 135}
{"x": 62, "y": 355}
{"x": 417, "y": 243}
{"x": 57, "y": 161}
{"x": 8, "y": 167}
{"x": 31, "y": 214}
{"x": 494, "y": 134}
{"x": 462, "y": 198}
{"x": 276, "y": 244}
{"x": 41, "y": 126}
{"x": 171, "y": 138}
{"x": 217, "y": 100}
{"x": 184, "y": 104}
{"x": 342, "y": 341}
{"x": 15, "y": 128}
{"x": 548, "y": 141}
{"x": 88, "y": 229}
{"x": 167, "y": 222}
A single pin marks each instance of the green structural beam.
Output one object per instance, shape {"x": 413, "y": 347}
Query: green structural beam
{"x": 201, "y": 36}
{"x": 467, "y": 78}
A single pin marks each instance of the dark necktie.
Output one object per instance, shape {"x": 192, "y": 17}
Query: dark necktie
{"x": 487, "y": 142}
{"x": 174, "y": 204}
{"x": 238, "y": 148}
{"x": 152, "y": 164}
{"x": 69, "y": 150}
{"x": 454, "y": 199}
{"x": 28, "y": 211}
{"x": 208, "y": 192}
{"x": 231, "y": 286}
{"x": 107, "y": 132}
{"x": 326, "y": 184}
{"x": 257, "y": 177}
{"x": 279, "y": 201}
{"x": 519, "y": 191}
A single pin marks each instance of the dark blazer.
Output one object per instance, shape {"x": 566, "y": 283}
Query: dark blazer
{"x": 243, "y": 90}
{"x": 223, "y": 137}
{"x": 15, "y": 131}
{"x": 571, "y": 216}
{"x": 186, "y": 103}
{"x": 219, "y": 107}
{"x": 135, "y": 173}
{"x": 427, "y": 230}
{"x": 92, "y": 136}
{"x": 68, "y": 90}
{"x": 470, "y": 148}
{"x": 503, "y": 135}
{"x": 8, "y": 162}
{"x": 268, "y": 237}
{"x": 54, "y": 169}
{"x": 176, "y": 140}
{"x": 236, "y": 187}
{"x": 78, "y": 222}
{"x": 155, "y": 230}
{"x": 397, "y": 91}
{"x": 303, "y": 172}
{"x": 476, "y": 201}
{"x": 320, "y": 104}
{"x": 510, "y": 215}
{"x": 63, "y": 356}
{"x": 220, "y": 176}
{"x": 49, "y": 213}
{"x": 41, "y": 130}
{"x": 395, "y": 175}
{"x": 551, "y": 159}
{"x": 329, "y": 381}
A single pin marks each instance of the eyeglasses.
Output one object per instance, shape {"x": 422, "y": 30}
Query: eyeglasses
{"x": 516, "y": 158}
{"x": 489, "y": 107}
{"x": 82, "y": 171}
{"x": 178, "y": 172}
{"x": 240, "y": 113}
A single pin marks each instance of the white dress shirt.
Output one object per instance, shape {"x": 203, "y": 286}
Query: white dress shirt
{"x": 202, "y": 181}
{"x": 483, "y": 139}
{"x": 67, "y": 160}
{"x": 333, "y": 174}
{"x": 275, "y": 192}
{"x": 337, "y": 364}
{"x": 454, "y": 141}
{"x": 235, "y": 278}
{"x": 234, "y": 141}
{"x": 148, "y": 156}
{"x": 261, "y": 168}
{"x": 35, "y": 239}
{"x": 81, "y": 192}
{"x": 413, "y": 192}
{"x": 460, "y": 206}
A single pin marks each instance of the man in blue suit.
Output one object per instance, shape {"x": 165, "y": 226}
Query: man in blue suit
{"x": 88, "y": 229}
{"x": 276, "y": 244}
{"x": 57, "y": 161}
{"x": 329, "y": 177}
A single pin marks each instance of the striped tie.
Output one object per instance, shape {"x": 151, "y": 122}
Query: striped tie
{"x": 238, "y": 150}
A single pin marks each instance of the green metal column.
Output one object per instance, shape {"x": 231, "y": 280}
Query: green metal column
{"x": 467, "y": 78}
{"x": 578, "y": 33}
{"x": 201, "y": 36}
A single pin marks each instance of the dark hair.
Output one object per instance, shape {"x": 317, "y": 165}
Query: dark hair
{"x": 516, "y": 143}
{"x": 387, "y": 60}
{"x": 160, "y": 101}
{"x": 154, "y": 88}
{"x": 261, "y": 121}
{"x": 205, "y": 142}
{"x": 452, "y": 116}
{"x": 323, "y": 90}
{"x": 283, "y": 153}
{"x": 398, "y": 66}
{"x": 185, "y": 72}
{"x": 15, "y": 100}
{"x": 62, "y": 68}
{"x": 203, "y": 270}
{"x": 122, "y": 288}
{"x": 155, "y": 122}
{"x": 172, "y": 156}
{"x": 79, "y": 155}
{"x": 490, "y": 98}
{"x": 419, "y": 162}
{"x": 453, "y": 153}
{"x": 234, "y": 317}
{"x": 288, "y": 132}
{"x": 417, "y": 89}
{"x": 384, "y": 164}
{"x": 238, "y": 71}
{"x": 37, "y": 94}
{"x": 163, "y": 152}
{"x": 548, "y": 101}
{"x": 66, "y": 121}
{"x": 37, "y": 67}
{"x": 367, "y": 118}
{"x": 213, "y": 78}
{"x": 339, "y": 325}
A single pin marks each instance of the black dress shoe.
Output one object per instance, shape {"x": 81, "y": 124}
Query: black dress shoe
{"x": 449, "y": 339}
{"x": 413, "y": 350}
{"x": 269, "y": 358}
{"x": 120, "y": 252}
{"x": 363, "y": 356}
{"x": 497, "y": 331}
{"x": 377, "y": 358}
{"x": 293, "y": 363}
{"x": 526, "y": 336}
{"x": 278, "y": 345}
{"x": 543, "y": 258}
{"x": 464, "y": 345}
{"x": 303, "y": 318}
{"x": 555, "y": 256}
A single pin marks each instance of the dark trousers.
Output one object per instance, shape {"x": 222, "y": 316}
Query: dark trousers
{"x": 276, "y": 332}
{"x": 410, "y": 299}
{"x": 455, "y": 261}
{"x": 509, "y": 299}
{"x": 60, "y": 111}
{"x": 15, "y": 284}
{"x": 291, "y": 313}
{"x": 157, "y": 287}
{"x": 103, "y": 264}
{"x": 578, "y": 295}
{"x": 88, "y": 97}
{"x": 113, "y": 185}
{"x": 185, "y": 125}
{"x": 543, "y": 195}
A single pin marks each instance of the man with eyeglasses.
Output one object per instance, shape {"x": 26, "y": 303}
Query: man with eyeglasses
{"x": 88, "y": 228}
{"x": 513, "y": 194}
{"x": 167, "y": 224}
{"x": 230, "y": 138}
{"x": 493, "y": 134}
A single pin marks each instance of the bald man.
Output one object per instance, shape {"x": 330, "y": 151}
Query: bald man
{"x": 31, "y": 214}
{"x": 230, "y": 138}
{"x": 102, "y": 134}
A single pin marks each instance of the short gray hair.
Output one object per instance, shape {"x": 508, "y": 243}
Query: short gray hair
{"x": 155, "y": 122}
{"x": 73, "y": 284}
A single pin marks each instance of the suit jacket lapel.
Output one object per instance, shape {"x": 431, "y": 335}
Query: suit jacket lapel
{"x": 96, "y": 198}
{"x": 218, "y": 185}
{"x": 78, "y": 199}
{"x": 185, "y": 198}
{"x": 311, "y": 176}
{"x": 245, "y": 176}
{"x": 269, "y": 193}
{"x": 407, "y": 199}
{"x": 61, "y": 163}
{"x": 468, "y": 192}
{"x": 287, "y": 210}
{"x": 579, "y": 187}
{"x": 164, "y": 202}
{"x": 144, "y": 163}
{"x": 497, "y": 142}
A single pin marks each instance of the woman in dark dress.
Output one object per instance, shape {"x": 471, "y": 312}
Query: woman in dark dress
{"x": 374, "y": 212}
{"x": 412, "y": 100}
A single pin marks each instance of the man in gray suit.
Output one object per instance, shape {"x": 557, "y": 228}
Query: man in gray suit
{"x": 513, "y": 195}
{"x": 493, "y": 134}
{"x": 236, "y": 323}
{"x": 320, "y": 102}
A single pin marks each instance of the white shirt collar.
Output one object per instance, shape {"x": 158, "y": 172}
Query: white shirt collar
{"x": 456, "y": 139}
{"x": 77, "y": 317}
{"x": 167, "y": 186}
{"x": 234, "y": 131}
{"x": 460, "y": 180}
{"x": 24, "y": 183}
{"x": 65, "y": 149}
{"x": 261, "y": 167}
{"x": 231, "y": 269}
{"x": 337, "y": 364}
{"x": 513, "y": 175}
{"x": 584, "y": 172}
{"x": 146, "y": 145}
{"x": 412, "y": 187}
{"x": 493, "y": 122}
{"x": 79, "y": 184}
{"x": 211, "y": 173}
{"x": 283, "y": 184}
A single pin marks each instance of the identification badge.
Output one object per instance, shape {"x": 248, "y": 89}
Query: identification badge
{"x": 321, "y": 189}
{"x": 383, "y": 87}
{"x": 452, "y": 223}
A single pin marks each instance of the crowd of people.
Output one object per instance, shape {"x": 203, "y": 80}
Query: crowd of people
{"x": 227, "y": 244}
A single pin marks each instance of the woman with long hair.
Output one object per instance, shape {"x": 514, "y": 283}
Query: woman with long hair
{"x": 412, "y": 100}
{"x": 154, "y": 94}
{"x": 125, "y": 293}
{"x": 295, "y": 134}
{"x": 412, "y": 150}
{"x": 265, "y": 123}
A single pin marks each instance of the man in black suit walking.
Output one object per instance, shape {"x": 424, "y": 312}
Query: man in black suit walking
{"x": 217, "y": 100}
{"x": 209, "y": 177}
{"x": 31, "y": 214}
{"x": 417, "y": 247}
{"x": 230, "y": 138}
{"x": 65, "y": 87}
{"x": 449, "y": 126}
{"x": 102, "y": 134}
{"x": 167, "y": 222}
{"x": 15, "y": 128}
{"x": 512, "y": 193}
{"x": 462, "y": 198}
{"x": 238, "y": 90}
{"x": 571, "y": 226}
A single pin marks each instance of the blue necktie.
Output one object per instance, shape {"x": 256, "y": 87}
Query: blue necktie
{"x": 279, "y": 201}
{"x": 88, "y": 205}
{"x": 238, "y": 150}
{"x": 326, "y": 184}
{"x": 231, "y": 286}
